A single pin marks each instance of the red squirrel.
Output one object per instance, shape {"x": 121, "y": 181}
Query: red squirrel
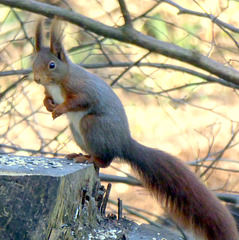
{"x": 100, "y": 127}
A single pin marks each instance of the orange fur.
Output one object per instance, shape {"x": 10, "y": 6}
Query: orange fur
{"x": 185, "y": 198}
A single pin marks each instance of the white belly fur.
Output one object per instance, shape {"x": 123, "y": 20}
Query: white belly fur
{"x": 55, "y": 91}
{"x": 74, "y": 117}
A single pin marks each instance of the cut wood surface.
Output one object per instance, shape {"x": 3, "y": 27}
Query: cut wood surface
{"x": 39, "y": 195}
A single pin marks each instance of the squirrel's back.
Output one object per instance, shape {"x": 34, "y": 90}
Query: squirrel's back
{"x": 107, "y": 102}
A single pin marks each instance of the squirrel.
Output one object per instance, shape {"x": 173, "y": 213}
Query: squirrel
{"x": 100, "y": 127}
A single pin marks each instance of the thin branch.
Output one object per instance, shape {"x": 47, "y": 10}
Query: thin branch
{"x": 221, "y": 154}
{"x": 229, "y": 197}
{"x": 15, "y": 72}
{"x": 147, "y": 12}
{"x": 230, "y": 35}
{"x": 214, "y": 19}
{"x": 125, "y": 13}
{"x": 127, "y": 69}
{"x": 33, "y": 151}
{"x": 23, "y": 27}
{"x": 129, "y": 35}
{"x": 214, "y": 168}
{"x": 191, "y": 163}
{"x": 118, "y": 179}
{"x": 136, "y": 212}
{"x": 12, "y": 86}
{"x": 141, "y": 91}
{"x": 139, "y": 64}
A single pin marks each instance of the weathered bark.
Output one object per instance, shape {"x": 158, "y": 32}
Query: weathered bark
{"x": 40, "y": 195}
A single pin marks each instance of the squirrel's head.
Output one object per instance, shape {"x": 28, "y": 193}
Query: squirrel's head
{"x": 51, "y": 64}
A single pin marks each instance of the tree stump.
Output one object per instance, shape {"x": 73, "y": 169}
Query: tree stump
{"x": 54, "y": 199}
{"x": 39, "y": 195}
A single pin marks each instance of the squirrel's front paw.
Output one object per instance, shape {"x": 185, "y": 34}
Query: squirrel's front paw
{"x": 58, "y": 111}
{"x": 49, "y": 104}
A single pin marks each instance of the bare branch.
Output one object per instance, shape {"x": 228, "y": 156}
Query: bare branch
{"x": 33, "y": 151}
{"x": 129, "y": 35}
{"x": 213, "y": 18}
{"x": 127, "y": 69}
{"x": 126, "y": 14}
{"x": 12, "y": 86}
{"x": 23, "y": 28}
{"x": 221, "y": 153}
{"x": 15, "y": 72}
{"x": 113, "y": 178}
{"x": 138, "y": 64}
{"x": 228, "y": 197}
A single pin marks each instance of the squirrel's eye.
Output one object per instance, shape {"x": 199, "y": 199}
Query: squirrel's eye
{"x": 52, "y": 65}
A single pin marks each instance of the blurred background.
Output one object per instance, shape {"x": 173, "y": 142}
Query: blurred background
{"x": 169, "y": 103}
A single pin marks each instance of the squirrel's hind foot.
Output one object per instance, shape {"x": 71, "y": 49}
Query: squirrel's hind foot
{"x": 87, "y": 159}
{"x": 79, "y": 158}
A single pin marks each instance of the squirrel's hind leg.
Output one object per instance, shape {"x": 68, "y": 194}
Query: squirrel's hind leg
{"x": 81, "y": 158}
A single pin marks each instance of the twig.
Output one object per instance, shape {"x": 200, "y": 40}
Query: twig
{"x": 147, "y": 12}
{"x": 214, "y": 168}
{"x": 120, "y": 209}
{"x": 15, "y": 72}
{"x": 221, "y": 153}
{"x": 214, "y": 19}
{"x": 106, "y": 199}
{"x": 14, "y": 85}
{"x": 23, "y": 27}
{"x": 129, "y": 36}
{"x": 125, "y": 13}
{"x": 112, "y": 178}
{"x": 139, "y": 64}
{"x": 28, "y": 150}
{"x": 135, "y": 211}
{"x": 127, "y": 69}
{"x": 191, "y": 163}
{"x": 101, "y": 194}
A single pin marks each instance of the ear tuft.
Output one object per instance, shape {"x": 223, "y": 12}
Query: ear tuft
{"x": 56, "y": 34}
{"x": 38, "y": 36}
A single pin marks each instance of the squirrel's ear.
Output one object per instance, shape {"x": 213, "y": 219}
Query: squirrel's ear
{"x": 56, "y": 40}
{"x": 38, "y": 36}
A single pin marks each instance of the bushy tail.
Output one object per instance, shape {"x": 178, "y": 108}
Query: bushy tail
{"x": 184, "y": 197}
